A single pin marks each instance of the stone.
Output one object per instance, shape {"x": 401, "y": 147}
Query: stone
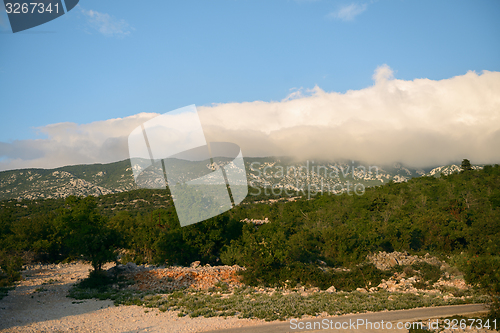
{"x": 393, "y": 262}
{"x": 332, "y": 289}
{"x": 131, "y": 266}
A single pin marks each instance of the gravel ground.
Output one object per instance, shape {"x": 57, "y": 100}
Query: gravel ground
{"x": 39, "y": 304}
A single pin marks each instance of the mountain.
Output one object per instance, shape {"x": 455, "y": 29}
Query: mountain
{"x": 449, "y": 169}
{"x": 80, "y": 180}
{"x": 278, "y": 173}
{"x": 333, "y": 176}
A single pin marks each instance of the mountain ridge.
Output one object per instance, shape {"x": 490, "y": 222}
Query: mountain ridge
{"x": 282, "y": 173}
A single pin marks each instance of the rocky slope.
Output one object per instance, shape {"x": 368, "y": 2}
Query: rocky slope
{"x": 280, "y": 173}
{"x": 448, "y": 169}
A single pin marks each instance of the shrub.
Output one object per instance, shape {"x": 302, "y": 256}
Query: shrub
{"x": 96, "y": 280}
{"x": 429, "y": 274}
{"x": 484, "y": 272}
{"x": 362, "y": 276}
{"x": 10, "y": 265}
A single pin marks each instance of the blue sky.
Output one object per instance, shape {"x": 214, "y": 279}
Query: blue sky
{"x": 114, "y": 59}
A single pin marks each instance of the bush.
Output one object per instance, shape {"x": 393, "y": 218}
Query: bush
{"x": 429, "y": 274}
{"x": 96, "y": 280}
{"x": 10, "y": 267}
{"x": 484, "y": 272}
{"x": 361, "y": 276}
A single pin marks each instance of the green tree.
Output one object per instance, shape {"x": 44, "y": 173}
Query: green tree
{"x": 87, "y": 233}
{"x": 466, "y": 166}
{"x": 483, "y": 271}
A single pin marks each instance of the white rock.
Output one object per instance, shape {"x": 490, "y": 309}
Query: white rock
{"x": 332, "y": 289}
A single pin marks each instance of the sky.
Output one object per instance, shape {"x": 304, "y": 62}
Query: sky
{"x": 415, "y": 82}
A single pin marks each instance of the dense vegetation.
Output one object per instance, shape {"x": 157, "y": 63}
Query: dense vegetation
{"x": 456, "y": 215}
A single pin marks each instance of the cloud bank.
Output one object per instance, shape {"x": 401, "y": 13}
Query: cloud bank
{"x": 70, "y": 143}
{"x": 419, "y": 122}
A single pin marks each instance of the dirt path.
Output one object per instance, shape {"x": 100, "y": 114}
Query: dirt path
{"x": 328, "y": 324}
{"x": 39, "y": 304}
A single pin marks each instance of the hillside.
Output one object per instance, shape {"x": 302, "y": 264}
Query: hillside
{"x": 80, "y": 180}
{"x": 277, "y": 172}
{"x": 440, "y": 215}
{"x": 323, "y": 241}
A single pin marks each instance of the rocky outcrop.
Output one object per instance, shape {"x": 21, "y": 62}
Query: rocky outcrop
{"x": 385, "y": 261}
{"x": 398, "y": 283}
{"x": 256, "y": 222}
{"x": 401, "y": 283}
{"x": 175, "y": 278}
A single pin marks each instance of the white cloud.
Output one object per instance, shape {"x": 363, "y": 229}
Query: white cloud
{"x": 348, "y": 12}
{"x": 383, "y": 73}
{"x": 70, "y": 143}
{"x": 419, "y": 122}
{"x": 106, "y": 24}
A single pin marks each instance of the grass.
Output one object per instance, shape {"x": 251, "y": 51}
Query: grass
{"x": 247, "y": 302}
{"x": 276, "y": 304}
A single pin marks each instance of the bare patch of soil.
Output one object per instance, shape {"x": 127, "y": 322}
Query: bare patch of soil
{"x": 39, "y": 304}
